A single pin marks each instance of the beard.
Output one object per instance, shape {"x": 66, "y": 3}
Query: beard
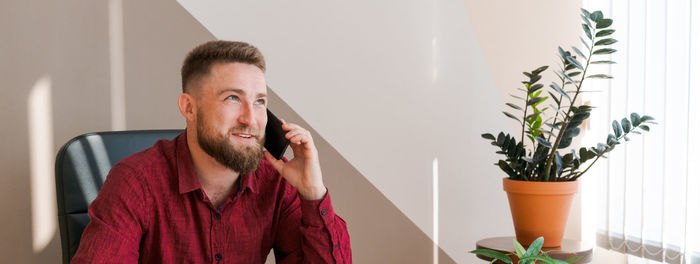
{"x": 239, "y": 157}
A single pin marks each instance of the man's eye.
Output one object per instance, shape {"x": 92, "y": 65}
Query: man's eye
{"x": 232, "y": 97}
{"x": 260, "y": 101}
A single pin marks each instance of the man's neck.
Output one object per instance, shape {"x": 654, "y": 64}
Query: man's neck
{"x": 216, "y": 179}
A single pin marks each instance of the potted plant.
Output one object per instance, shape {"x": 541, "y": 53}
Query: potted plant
{"x": 542, "y": 175}
{"x": 533, "y": 254}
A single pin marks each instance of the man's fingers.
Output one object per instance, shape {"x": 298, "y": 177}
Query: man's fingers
{"x": 300, "y": 138}
{"x": 297, "y": 132}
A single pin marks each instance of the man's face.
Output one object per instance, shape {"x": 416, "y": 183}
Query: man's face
{"x": 231, "y": 115}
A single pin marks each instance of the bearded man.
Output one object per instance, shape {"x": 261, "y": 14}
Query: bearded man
{"x": 208, "y": 195}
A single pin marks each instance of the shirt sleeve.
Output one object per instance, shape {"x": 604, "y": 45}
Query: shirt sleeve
{"x": 310, "y": 232}
{"x": 116, "y": 220}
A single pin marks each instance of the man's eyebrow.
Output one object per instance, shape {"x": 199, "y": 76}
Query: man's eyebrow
{"x": 240, "y": 91}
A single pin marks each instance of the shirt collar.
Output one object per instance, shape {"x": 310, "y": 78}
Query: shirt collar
{"x": 187, "y": 176}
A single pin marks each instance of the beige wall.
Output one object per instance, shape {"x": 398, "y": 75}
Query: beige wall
{"x": 68, "y": 43}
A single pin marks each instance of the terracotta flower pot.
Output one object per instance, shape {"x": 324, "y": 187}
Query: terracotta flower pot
{"x": 540, "y": 209}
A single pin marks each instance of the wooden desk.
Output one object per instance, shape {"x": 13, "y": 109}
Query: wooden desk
{"x": 568, "y": 249}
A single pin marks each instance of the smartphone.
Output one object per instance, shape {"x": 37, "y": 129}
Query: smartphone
{"x": 275, "y": 142}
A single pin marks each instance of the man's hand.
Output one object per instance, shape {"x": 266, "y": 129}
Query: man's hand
{"x": 304, "y": 170}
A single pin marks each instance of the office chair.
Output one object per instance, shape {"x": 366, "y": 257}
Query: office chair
{"x": 82, "y": 165}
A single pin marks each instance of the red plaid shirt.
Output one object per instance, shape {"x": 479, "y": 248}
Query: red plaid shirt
{"x": 152, "y": 209}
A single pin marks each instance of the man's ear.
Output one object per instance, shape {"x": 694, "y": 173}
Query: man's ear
{"x": 188, "y": 106}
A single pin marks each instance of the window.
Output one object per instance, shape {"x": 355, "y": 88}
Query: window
{"x": 644, "y": 199}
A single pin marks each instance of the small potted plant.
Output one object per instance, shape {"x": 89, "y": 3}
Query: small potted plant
{"x": 542, "y": 175}
{"x": 533, "y": 254}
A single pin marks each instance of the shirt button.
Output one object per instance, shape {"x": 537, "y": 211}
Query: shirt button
{"x": 217, "y": 216}
{"x": 335, "y": 246}
{"x": 218, "y": 257}
{"x": 323, "y": 212}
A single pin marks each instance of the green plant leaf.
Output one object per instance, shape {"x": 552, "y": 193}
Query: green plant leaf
{"x": 635, "y": 119}
{"x": 488, "y": 136}
{"x": 514, "y": 106}
{"x": 535, "y": 100}
{"x": 558, "y": 161}
{"x": 519, "y": 249}
{"x": 644, "y": 127}
{"x": 599, "y": 76}
{"x": 534, "y": 88}
{"x": 616, "y": 128}
{"x": 560, "y": 90}
{"x": 566, "y": 76}
{"x": 543, "y": 142}
{"x": 612, "y": 140}
{"x": 603, "y": 62}
{"x": 554, "y": 97}
{"x": 605, "y": 32}
{"x": 569, "y": 157}
{"x": 595, "y": 16}
{"x": 565, "y": 143}
{"x": 603, "y": 23}
{"x": 600, "y": 148}
{"x": 492, "y": 254}
{"x": 578, "y": 52}
{"x": 572, "y": 260}
{"x": 535, "y": 247}
{"x": 513, "y": 117}
{"x": 605, "y": 51}
{"x": 586, "y": 20}
{"x": 507, "y": 169}
{"x": 607, "y": 41}
{"x": 587, "y": 30}
{"x": 585, "y": 12}
{"x": 517, "y": 97}
{"x": 530, "y": 116}
{"x": 573, "y": 61}
{"x": 585, "y": 43}
{"x": 571, "y": 132}
{"x": 646, "y": 118}
{"x": 548, "y": 133}
{"x": 501, "y": 138}
{"x": 552, "y": 126}
{"x": 626, "y": 125}
{"x": 540, "y": 258}
{"x": 562, "y": 53}
{"x": 540, "y": 69}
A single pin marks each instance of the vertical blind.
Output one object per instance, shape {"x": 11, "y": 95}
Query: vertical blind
{"x": 647, "y": 193}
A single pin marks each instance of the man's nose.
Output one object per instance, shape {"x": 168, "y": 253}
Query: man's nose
{"x": 246, "y": 115}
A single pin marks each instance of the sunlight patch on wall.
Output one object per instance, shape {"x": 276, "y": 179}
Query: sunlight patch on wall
{"x": 41, "y": 152}
{"x": 436, "y": 203}
{"x": 116, "y": 65}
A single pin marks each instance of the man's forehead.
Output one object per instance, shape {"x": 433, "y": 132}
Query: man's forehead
{"x": 236, "y": 77}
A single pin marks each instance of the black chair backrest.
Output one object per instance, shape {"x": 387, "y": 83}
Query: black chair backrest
{"x": 82, "y": 165}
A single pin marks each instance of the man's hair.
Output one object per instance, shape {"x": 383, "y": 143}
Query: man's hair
{"x": 198, "y": 62}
